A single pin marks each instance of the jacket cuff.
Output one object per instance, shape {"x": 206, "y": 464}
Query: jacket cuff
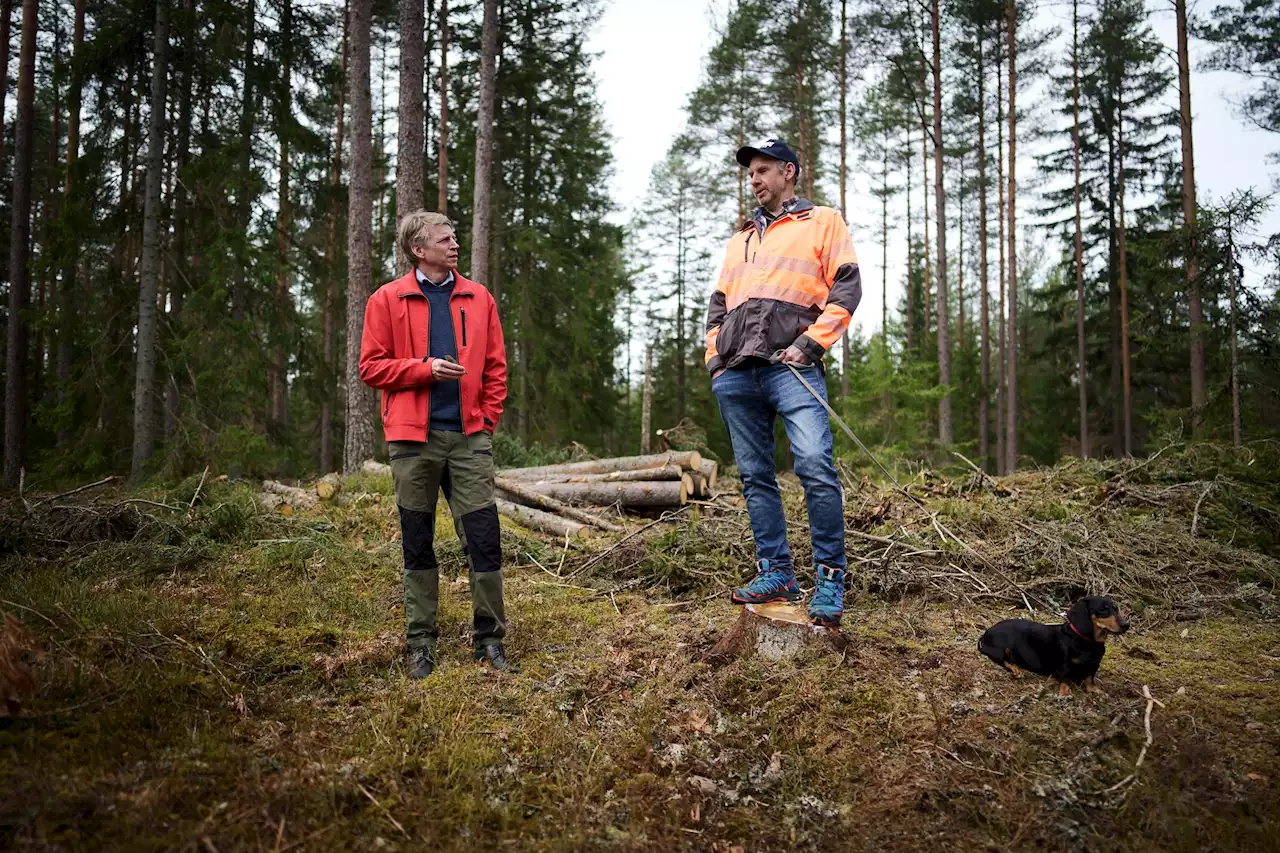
{"x": 811, "y": 348}
{"x": 715, "y": 364}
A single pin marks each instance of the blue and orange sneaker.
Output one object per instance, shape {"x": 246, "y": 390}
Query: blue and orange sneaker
{"x": 769, "y": 585}
{"x": 827, "y": 605}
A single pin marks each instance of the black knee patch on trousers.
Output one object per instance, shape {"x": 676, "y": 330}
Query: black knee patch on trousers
{"x": 484, "y": 539}
{"x": 417, "y": 532}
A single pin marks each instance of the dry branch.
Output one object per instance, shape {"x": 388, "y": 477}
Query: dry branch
{"x": 524, "y": 493}
{"x": 639, "y": 475}
{"x": 545, "y": 522}
{"x": 654, "y": 494}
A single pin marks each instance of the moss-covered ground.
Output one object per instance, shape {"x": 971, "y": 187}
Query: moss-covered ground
{"x": 215, "y": 678}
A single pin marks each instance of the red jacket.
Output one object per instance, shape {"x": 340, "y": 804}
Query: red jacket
{"x": 393, "y": 356}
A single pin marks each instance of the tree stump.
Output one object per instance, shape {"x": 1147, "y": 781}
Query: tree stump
{"x": 773, "y": 631}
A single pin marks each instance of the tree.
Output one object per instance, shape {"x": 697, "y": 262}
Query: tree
{"x": 481, "y": 207}
{"x": 360, "y": 410}
{"x": 442, "y": 176}
{"x": 279, "y": 384}
{"x": 71, "y": 219}
{"x": 844, "y": 168}
{"x": 940, "y": 199}
{"x": 410, "y": 135}
{"x": 1248, "y": 39}
{"x": 15, "y": 391}
{"x": 328, "y": 325}
{"x": 1195, "y": 314}
{"x": 1078, "y": 260}
{"x": 144, "y": 393}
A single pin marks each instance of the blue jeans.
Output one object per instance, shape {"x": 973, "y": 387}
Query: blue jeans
{"x": 750, "y": 399}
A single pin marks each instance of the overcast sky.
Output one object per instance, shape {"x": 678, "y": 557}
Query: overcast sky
{"x": 651, "y": 54}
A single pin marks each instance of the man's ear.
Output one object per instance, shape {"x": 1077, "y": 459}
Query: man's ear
{"x": 419, "y": 252}
{"x": 1080, "y": 619}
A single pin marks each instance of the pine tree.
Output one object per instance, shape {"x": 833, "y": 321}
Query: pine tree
{"x": 410, "y": 136}
{"x": 1195, "y": 316}
{"x": 360, "y": 409}
{"x": 481, "y": 206}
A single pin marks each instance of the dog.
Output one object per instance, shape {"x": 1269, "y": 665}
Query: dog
{"x": 1068, "y": 654}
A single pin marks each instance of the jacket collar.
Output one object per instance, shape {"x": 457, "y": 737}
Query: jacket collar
{"x": 407, "y": 285}
{"x": 790, "y": 207}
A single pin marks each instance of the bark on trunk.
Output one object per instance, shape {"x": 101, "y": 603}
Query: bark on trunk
{"x": 687, "y": 459}
{"x": 240, "y": 286}
{"x": 328, "y": 323}
{"x": 1079, "y": 236}
{"x": 442, "y": 177}
{"x": 1124, "y": 281}
{"x": 15, "y": 399}
{"x": 640, "y": 475}
{"x": 844, "y": 145}
{"x": 1011, "y": 401}
{"x": 144, "y": 387}
{"x": 410, "y": 137}
{"x": 665, "y": 493}
{"x": 359, "y": 443}
{"x": 1001, "y": 363}
{"x": 646, "y": 401}
{"x": 480, "y": 207}
{"x": 544, "y": 522}
{"x": 71, "y": 249}
{"x": 280, "y": 359}
{"x": 6, "y": 16}
{"x": 531, "y": 494}
{"x": 1195, "y": 315}
{"x": 984, "y": 395}
{"x": 940, "y": 200}
{"x": 1237, "y": 277}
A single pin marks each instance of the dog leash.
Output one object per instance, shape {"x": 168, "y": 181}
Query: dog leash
{"x": 777, "y": 359}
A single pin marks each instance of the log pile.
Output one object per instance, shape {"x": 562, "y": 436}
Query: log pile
{"x": 653, "y": 481}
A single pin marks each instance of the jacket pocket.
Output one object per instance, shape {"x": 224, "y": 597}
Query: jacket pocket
{"x": 786, "y": 322}
{"x": 730, "y": 332}
{"x": 386, "y": 403}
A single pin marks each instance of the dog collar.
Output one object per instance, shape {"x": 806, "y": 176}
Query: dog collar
{"x": 1076, "y": 631}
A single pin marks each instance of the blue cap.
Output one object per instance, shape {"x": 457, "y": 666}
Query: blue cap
{"x": 775, "y": 148}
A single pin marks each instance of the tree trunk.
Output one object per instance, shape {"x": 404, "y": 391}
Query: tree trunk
{"x": 984, "y": 396}
{"x": 924, "y": 208}
{"x": 181, "y": 215}
{"x": 280, "y": 360}
{"x": 844, "y": 150}
{"x": 1011, "y": 397}
{"x": 1079, "y": 236}
{"x": 359, "y": 442}
{"x": 646, "y": 401}
{"x": 544, "y": 522}
{"x": 663, "y": 493}
{"x": 6, "y": 16}
{"x": 1124, "y": 280}
{"x": 940, "y": 199}
{"x": 481, "y": 210}
{"x": 327, "y": 321}
{"x": 71, "y": 204}
{"x": 639, "y": 475}
{"x": 1195, "y": 315}
{"x": 240, "y": 287}
{"x": 1113, "y": 304}
{"x": 911, "y": 311}
{"x": 1000, "y": 241}
{"x": 442, "y": 178}
{"x": 884, "y": 245}
{"x": 1237, "y": 278}
{"x": 15, "y": 400}
{"x": 410, "y": 137}
{"x": 530, "y": 494}
{"x": 687, "y": 459}
{"x": 144, "y": 388}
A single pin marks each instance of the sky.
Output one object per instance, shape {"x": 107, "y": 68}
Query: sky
{"x": 650, "y": 59}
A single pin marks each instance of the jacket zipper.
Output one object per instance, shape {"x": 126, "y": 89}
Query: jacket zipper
{"x": 464, "y": 325}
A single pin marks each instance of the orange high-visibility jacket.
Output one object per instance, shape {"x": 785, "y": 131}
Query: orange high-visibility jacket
{"x": 791, "y": 281}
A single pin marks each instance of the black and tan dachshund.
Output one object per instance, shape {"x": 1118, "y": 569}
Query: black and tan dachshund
{"x": 1069, "y": 653}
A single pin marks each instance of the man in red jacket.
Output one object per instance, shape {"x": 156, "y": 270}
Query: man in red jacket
{"x": 433, "y": 346}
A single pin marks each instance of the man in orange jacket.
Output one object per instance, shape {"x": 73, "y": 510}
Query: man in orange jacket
{"x": 787, "y": 291}
{"x": 433, "y": 345}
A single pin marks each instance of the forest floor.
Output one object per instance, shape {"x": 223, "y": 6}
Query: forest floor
{"x": 216, "y": 677}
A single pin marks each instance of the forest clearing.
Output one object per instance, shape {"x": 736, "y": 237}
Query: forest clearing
{"x": 214, "y": 675}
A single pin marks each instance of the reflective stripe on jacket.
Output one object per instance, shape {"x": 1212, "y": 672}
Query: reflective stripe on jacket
{"x": 794, "y": 281}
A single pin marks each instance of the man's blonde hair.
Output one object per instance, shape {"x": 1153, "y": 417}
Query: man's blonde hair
{"x": 413, "y": 230}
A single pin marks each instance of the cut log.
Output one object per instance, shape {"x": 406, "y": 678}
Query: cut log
{"x": 328, "y": 486}
{"x": 690, "y": 485}
{"x": 640, "y": 475}
{"x": 526, "y": 494}
{"x": 699, "y": 489}
{"x": 545, "y": 522}
{"x": 294, "y": 495}
{"x": 685, "y": 459}
{"x": 369, "y": 466}
{"x": 710, "y": 470}
{"x": 665, "y": 493}
{"x": 773, "y": 631}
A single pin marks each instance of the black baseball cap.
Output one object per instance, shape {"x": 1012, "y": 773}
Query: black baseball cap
{"x": 775, "y": 148}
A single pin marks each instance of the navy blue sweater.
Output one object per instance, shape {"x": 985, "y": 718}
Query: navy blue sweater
{"x": 446, "y": 400}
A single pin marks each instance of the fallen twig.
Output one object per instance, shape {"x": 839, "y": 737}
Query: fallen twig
{"x": 101, "y": 482}
{"x": 666, "y": 516}
{"x": 191, "y": 506}
{"x": 385, "y": 810}
{"x": 1195, "y": 517}
{"x": 1151, "y": 703}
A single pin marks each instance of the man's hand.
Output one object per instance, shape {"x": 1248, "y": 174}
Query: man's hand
{"x": 793, "y": 355}
{"x": 444, "y": 370}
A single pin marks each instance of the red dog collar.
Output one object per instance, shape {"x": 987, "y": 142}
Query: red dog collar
{"x": 1078, "y": 634}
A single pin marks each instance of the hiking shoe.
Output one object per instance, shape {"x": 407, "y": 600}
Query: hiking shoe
{"x": 769, "y": 585}
{"x": 827, "y": 605}
{"x": 422, "y": 662}
{"x": 493, "y": 655}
